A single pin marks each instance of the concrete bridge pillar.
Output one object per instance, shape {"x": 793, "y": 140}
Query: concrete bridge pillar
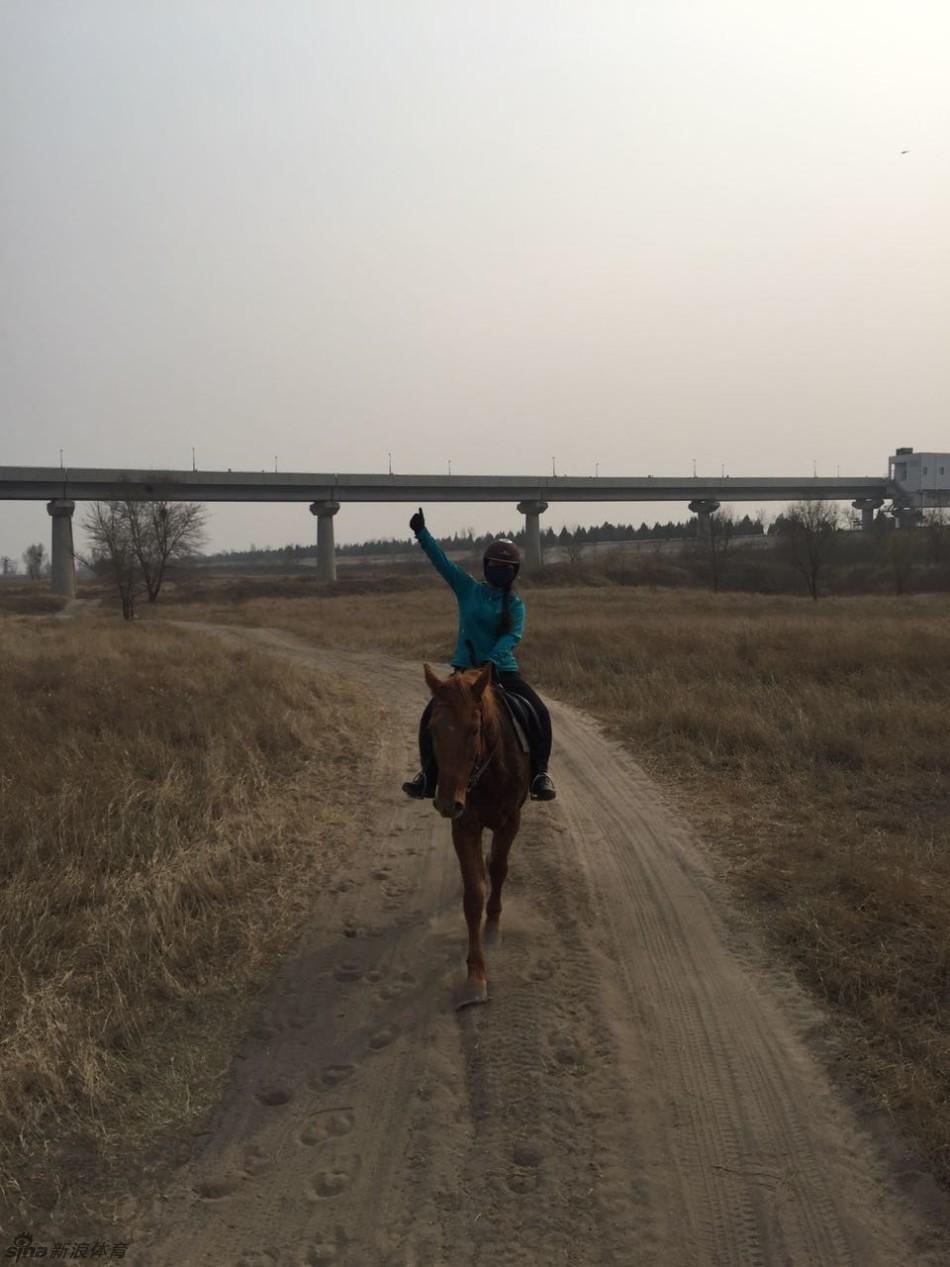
{"x": 326, "y": 551}
{"x": 63, "y": 564}
{"x": 867, "y": 507}
{"x": 905, "y": 513}
{"x": 704, "y": 508}
{"x": 533, "y": 555}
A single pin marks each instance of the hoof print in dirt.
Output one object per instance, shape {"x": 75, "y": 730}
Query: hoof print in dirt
{"x": 330, "y": 1183}
{"x": 321, "y": 1256}
{"x": 348, "y": 971}
{"x": 333, "y": 1075}
{"x": 332, "y": 1125}
{"x": 215, "y": 1189}
{"x": 275, "y": 1096}
{"x": 383, "y": 1037}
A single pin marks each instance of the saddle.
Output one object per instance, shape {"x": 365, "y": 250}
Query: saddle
{"x": 523, "y": 718}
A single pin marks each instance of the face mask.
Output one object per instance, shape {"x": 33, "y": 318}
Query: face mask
{"x": 499, "y": 575}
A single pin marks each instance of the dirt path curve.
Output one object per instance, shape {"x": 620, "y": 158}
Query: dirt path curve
{"x": 636, "y": 1092}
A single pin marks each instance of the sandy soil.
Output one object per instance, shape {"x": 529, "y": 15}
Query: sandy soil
{"x": 639, "y": 1090}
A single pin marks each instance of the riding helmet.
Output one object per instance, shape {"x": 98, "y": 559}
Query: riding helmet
{"x": 505, "y": 553}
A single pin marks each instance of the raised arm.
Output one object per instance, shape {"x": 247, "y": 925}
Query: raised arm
{"x": 451, "y": 572}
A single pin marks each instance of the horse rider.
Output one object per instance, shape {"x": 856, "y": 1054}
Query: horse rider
{"x": 491, "y": 622}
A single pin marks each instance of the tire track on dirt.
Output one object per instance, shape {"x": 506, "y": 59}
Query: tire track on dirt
{"x": 635, "y": 1092}
{"x": 770, "y": 1169}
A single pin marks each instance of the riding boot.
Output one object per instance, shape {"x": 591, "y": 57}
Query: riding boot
{"x": 542, "y": 787}
{"x": 423, "y": 786}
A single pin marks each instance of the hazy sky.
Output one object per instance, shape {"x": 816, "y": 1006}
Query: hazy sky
{"x": 616, "y": 232}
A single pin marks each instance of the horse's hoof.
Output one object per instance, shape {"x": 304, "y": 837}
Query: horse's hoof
{"x": 491, "y": 934}
{"x": 470, "y": 993}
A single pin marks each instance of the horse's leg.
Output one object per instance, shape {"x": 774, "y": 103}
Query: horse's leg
{"x": 498, "y": 869}
{"x": 467, "y": 838}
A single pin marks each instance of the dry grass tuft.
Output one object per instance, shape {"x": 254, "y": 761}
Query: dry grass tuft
{"x": 416, "y": 625}
{"x": 810, "y": 743}
{"x": 166, "y": 807}
{"x": 28, "y": 598}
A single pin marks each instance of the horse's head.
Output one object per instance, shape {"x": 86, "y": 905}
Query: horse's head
{"x": 456, "y": 727}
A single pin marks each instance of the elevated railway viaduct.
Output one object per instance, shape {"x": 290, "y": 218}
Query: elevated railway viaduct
{"x": 907, "y": 486}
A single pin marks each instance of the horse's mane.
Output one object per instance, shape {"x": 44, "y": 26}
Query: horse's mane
{"x": 489, "y": 700}
{"x": 456, "y": 688}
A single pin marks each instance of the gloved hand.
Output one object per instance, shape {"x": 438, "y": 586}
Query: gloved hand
{"x": 417, "y": 522}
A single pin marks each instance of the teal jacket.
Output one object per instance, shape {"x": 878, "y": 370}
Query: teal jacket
{"x": 479, "y": 615}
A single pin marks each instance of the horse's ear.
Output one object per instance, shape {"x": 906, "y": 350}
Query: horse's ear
{"x": 484, "y": 677}
{"x": 434, "y": 682}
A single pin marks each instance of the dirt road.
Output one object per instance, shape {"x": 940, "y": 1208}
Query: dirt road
{"x": 638, "y": 1090}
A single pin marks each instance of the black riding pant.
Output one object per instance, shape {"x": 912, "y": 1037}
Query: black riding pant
{"x": 515, "y": 683}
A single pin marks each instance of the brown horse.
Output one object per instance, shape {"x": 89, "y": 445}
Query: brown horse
{"x": 483, "y": 782}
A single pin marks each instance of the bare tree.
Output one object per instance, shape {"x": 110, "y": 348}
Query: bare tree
{"x": 8, "y": 566}
{"x": 900, "y": 551}
{"x": 135, "y": 542}
{"x": 937, "y": 527}
{"x": 722, "y": 530}
{"x": 573, "y": 546}
{"x": 34, "y": 559}
{"x": 162, "y": 533}
{"x": 107, "y": 526}
{"x": 650, "y": 561}
{"x": 809, "y": 536}
{"x": 712, "y": 543}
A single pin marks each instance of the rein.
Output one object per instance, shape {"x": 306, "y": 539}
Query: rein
{"x": 479, "y": 770}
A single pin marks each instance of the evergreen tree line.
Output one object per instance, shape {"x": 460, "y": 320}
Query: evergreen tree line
{"x": 472, "y": 543}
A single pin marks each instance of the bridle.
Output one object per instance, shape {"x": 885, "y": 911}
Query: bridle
{"x": 479, "y": 770}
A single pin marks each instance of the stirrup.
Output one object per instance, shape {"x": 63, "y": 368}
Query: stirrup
{"x": 542, "y": 789}
{"x": 418, "y": 788}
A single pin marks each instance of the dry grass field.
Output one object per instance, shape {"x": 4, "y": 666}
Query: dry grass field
{"x": 166, "y": 812}
{"x": 810, "y": 743}
{"x": 28, "y": 598}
